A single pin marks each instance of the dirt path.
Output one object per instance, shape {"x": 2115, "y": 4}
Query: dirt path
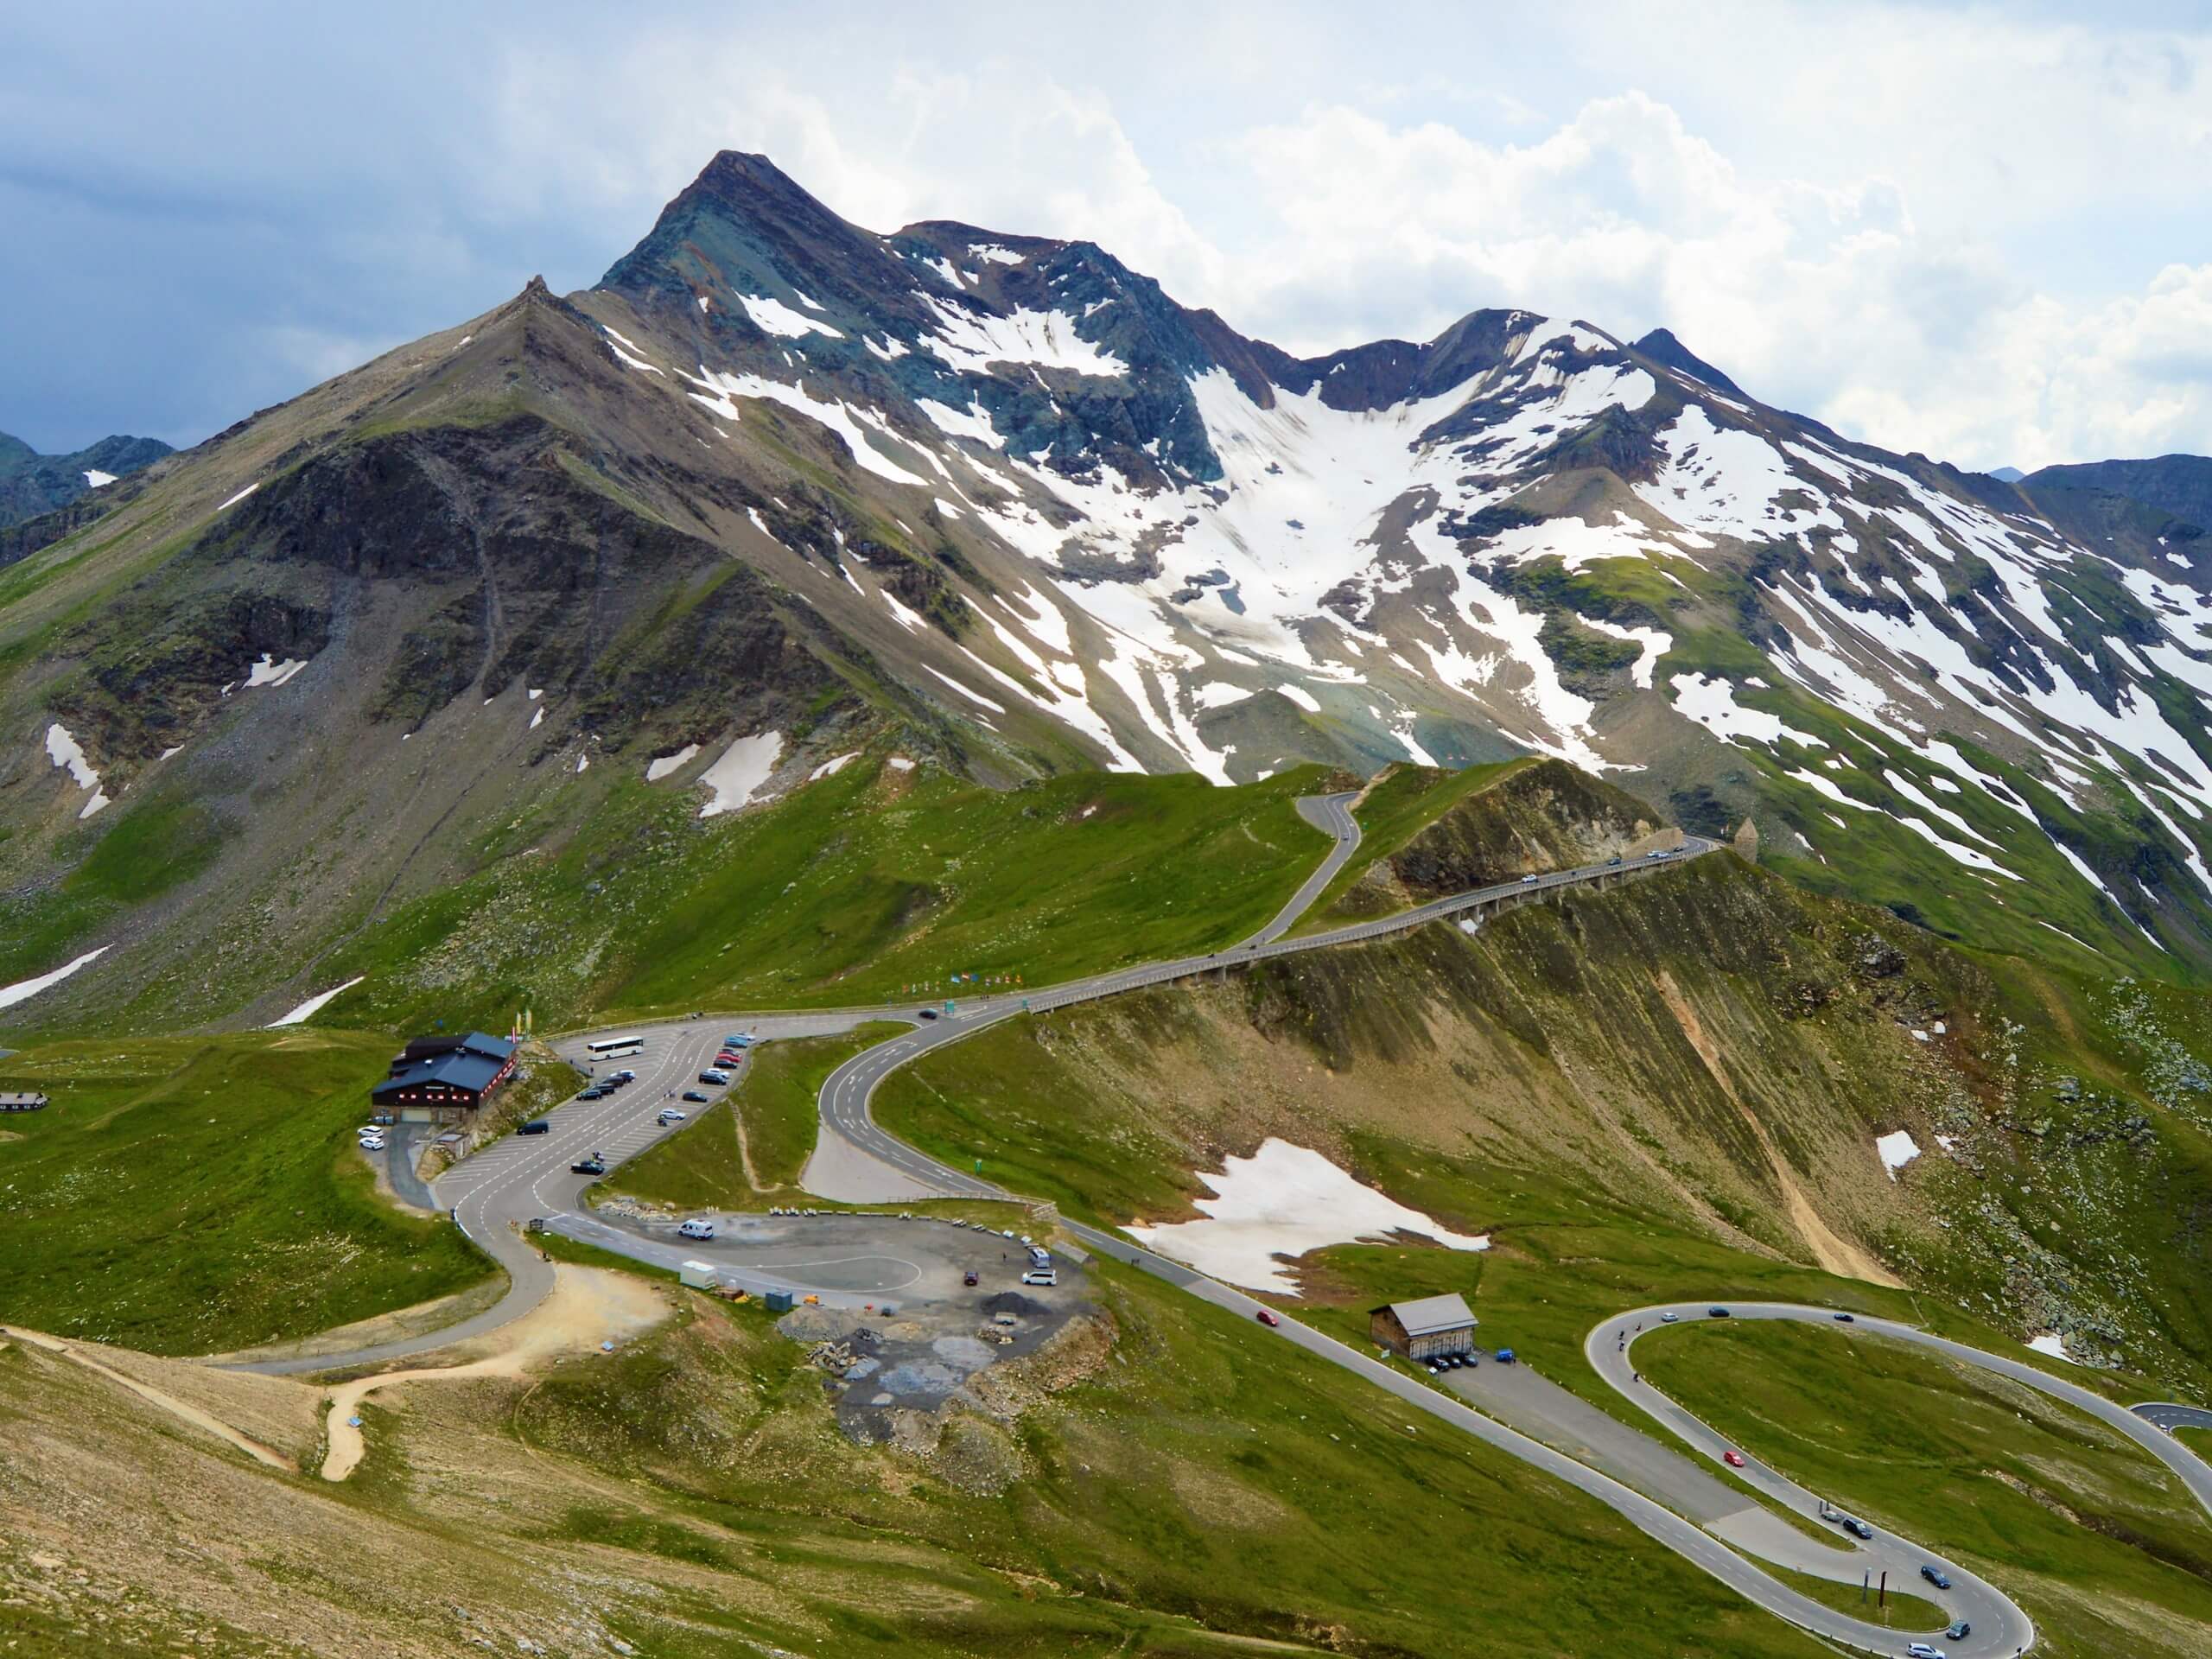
{"x": 1831, "y": 1252}
{"x": 745, "y": 1153}
{"x": 588, "y": 1307}
{"x": 168, "y": 1402}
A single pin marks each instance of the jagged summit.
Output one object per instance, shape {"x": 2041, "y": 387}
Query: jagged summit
{"x": 743, "y": 227}
{"x": 1661, "y": 346}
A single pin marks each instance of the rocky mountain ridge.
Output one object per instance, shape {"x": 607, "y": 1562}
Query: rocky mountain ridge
{"x": 32, "y": 484}
{"x": 1525, "y": 534}
{"x": 779, "y": 475}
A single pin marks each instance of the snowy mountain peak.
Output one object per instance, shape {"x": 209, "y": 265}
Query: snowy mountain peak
{"x": 1076, "y": 517}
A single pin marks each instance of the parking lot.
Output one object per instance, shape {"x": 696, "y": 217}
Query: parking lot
{"x": 895, "y": 1325}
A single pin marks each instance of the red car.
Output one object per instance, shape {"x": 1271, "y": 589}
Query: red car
{"x": 1732, "y": 1458}
{"x": 1267, "y": 1317}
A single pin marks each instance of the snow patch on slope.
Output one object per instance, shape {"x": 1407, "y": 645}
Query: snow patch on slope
{"x": 24, "y": 989}
{"x": 1897, "y": 1149}
{"x": 313, "y": 1006}
{"x": 976, "y": 340}
{"x": 1284, "y": 1200}
{"x": 65, "y": 753}
{"x": 838, "y": 417}
{"x": 658, "y": 769}
{"x": 267, "y": 670}
{"x": 736, "y": 778}
{"x": 772, "y": 316}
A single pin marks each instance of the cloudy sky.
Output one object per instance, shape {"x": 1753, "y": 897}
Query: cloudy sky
{"x": 1985, "y": 235}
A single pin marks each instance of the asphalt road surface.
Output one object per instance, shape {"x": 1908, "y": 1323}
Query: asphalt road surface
{"x": 1332, "y": 815}
{"x": 2166, "y": 1416}
{"x": 2000, "y": 1627}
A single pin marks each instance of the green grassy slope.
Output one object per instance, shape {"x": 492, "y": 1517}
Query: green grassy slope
{"x": 191, "y": 1195}
{"x": 703, "y": 1166}
{"x": 853, "y": 888}
{"x": 1202, "y": 1477}
{"x": 1539, "y": 1083}
{"x": 1842, "y": 833}
{"x": 2103, "y": 1544}
{"x": 1677, "y": 1055}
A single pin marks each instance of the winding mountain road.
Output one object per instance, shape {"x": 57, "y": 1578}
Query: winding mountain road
{"x": 857, "y": 1162}
{"x": 493, "y": 1193}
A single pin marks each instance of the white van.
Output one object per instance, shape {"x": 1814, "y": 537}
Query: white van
{"x": 1041, "y": 1276}
{"x": 698, "y": 1227}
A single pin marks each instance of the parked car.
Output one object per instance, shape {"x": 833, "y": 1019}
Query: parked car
{"x": 1717, "y": 1313}
{"x": 968, "y": 1277}
{"x": 1504, "y": 1356}
{"x": 592, "y": 1093}
{"x": 1937, "y": 1576}
{"x": 698, "y": 1227}
{"x": 1269, "y": 1316}
{"x": 1041, "y": 1276}
{"x": 593, "y": 1165}
{"x": 1732, "y": 1458}
{"x": 372, "y": 1143}
{"x": 718, "y": 1079}
{"x": 737, "y": 1039}
{"x": 536, "y": 1126}
{"x": 695, "y": 1097}
{"x": 1847, "y": 1318}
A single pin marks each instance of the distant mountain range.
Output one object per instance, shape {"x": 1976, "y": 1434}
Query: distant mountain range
{"x": 780, "y": 472}
{"x": 31, "y": 484}
{"x": 2180, "y": 485}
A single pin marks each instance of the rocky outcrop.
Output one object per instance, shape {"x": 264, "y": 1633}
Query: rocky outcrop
{"x": 1545, "y": 816}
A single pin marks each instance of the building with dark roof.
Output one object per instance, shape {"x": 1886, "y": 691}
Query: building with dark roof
{"x": 1426, "y": 1328}
{"x": 444, "y": 1079}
